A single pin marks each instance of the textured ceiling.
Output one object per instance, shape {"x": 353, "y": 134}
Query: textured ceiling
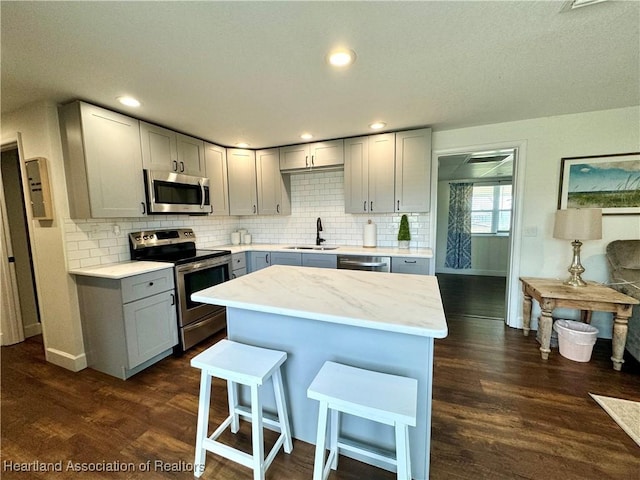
{"x": 255, "y": 71}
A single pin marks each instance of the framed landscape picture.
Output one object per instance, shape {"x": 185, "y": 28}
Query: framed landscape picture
{"x": 609, "y": 182}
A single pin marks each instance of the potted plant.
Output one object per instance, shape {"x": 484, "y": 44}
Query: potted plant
{"x": 404, "y": 235}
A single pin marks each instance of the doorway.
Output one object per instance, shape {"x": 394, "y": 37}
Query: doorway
{"x": 21, "y": 318}
{"x": 474, "y": 224}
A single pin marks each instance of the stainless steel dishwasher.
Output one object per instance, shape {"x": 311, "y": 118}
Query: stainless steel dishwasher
{"x": 368, "y": 263}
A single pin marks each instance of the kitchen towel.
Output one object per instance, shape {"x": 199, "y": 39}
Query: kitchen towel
{"x": 370, "y": 235}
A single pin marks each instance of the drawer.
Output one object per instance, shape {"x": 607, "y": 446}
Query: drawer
{"x": 238, "y": 261}
{"x": 146, "y": 284}
{"x": 238, "y": 272}
{"x": 419, "y": 266}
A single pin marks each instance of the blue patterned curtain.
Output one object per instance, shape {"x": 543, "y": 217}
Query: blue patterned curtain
{"x": 459, "y": 230}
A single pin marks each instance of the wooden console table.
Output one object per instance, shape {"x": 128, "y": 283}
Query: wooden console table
{"x": 551, "y": 293}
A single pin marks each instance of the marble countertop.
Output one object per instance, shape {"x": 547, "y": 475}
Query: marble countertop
{"x": 339, "y": 250}
{"x": 120, "y": 270}
{"x": 392, "y": 302}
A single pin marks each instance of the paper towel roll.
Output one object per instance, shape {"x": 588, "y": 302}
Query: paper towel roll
{"x": 370, "y": 235}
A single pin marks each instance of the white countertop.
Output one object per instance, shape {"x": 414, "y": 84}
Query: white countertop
{"x": 339, "y": 250}
{"x": 392, "y": 302}
{"x": 120, "y": 270}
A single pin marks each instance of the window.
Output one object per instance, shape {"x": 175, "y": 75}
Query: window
{"x": 491, "y": 209}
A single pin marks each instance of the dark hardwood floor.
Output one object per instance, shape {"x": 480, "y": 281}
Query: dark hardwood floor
{"x": 476, "y": 296}
{"x": 499, "y": 412}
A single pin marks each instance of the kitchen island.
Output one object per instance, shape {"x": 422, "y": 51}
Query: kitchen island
{"x": 374, "y": 320}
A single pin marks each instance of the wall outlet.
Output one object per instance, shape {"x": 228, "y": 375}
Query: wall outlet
{"x": 116, "y": 230}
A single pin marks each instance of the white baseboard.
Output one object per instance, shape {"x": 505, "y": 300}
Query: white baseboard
{"x": 75, "y": 363}
{"x": 32, "y": 330}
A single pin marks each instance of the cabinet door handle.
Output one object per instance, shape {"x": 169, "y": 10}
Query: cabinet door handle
{"x": 254, "y": 209}
{"x": 173, "y": 299}
{"x": 181, "y": 167}
{"x": 398, "y": 205}
{"x": 312, "y": 157}
{"x": 144, "y": 208}
{"x": 410, "y": 261}
{"x": 364, "y": 207}
{"x": 371, "y": 208}
{"x": 151, "y": 284}
{"x": 306, "y": 160}
{"x": 278, "y": 208}
{"x": 175, "y": 165}
{"x": 266, "y": 259}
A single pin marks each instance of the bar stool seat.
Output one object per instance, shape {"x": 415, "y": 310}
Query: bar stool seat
{"x": 241, "y": 364}
{"x": 384, "y": 398}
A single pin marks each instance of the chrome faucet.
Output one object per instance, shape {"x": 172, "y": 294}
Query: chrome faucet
{"x": 318, "y": 230}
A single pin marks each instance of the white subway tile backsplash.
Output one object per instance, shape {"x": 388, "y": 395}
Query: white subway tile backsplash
{"x": 318, "y": 194}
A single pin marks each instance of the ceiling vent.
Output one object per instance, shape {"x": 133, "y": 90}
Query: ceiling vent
{"x": 488, "y": 159}
{"x": 573, "y": 4}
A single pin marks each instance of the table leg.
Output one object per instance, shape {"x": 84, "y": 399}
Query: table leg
{"x": 526, "y": 314}
{"x": 545, "y": 325}
{"x": 620, "y": 326}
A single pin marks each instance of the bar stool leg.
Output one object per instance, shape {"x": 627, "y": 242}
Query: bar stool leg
{"x": 203, "y": 423}
{"x": 256, "y": 434}
{"x": 333, "y": 439}
{"x": 232, "y": 395}
{"x": 402, "y": 452}
{"x": 281, "y": 403}
{"x": 321, "y": 439}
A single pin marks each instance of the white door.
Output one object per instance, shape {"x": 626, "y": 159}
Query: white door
{"x": 11, "y": 330}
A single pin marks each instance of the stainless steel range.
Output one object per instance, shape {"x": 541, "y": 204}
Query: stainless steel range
{"x": 194, "y": 270}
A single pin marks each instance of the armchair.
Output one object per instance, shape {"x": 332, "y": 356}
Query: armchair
{"x": 623, "y": 257}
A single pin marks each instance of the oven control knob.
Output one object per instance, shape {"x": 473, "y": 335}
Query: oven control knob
{"x": 146, "y": 237}
{"x": 138, "y": 238}
{"x": 152, "y": 236}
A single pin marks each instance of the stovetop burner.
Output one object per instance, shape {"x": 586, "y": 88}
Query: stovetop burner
{"x": 169, "y": 245}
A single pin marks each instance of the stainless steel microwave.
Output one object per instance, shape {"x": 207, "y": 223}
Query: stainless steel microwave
{"x": 169, "y": 192}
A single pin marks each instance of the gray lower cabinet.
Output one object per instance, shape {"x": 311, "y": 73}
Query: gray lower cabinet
{"x": 419, "y": 266}
{"x": 128, "y": 324}
{"x": 319, "y": 260}
{"x": 258, "y": 260}
{"x": 286, "y": 258}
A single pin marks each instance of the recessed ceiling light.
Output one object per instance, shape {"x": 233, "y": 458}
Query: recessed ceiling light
{"x": 242, "y": 144}
{"x": 306, "y": 136}
{"x": 128, "y": 101}
{"x": 341, "y": 57}
{"x": 377, "y": 125}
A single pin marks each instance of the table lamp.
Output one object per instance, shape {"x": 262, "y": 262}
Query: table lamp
{"x": 577, "y": 224}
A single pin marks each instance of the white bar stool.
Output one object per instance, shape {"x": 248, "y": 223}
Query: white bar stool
{"x": 387, "y": 399}
{"x": 242, "y": 364}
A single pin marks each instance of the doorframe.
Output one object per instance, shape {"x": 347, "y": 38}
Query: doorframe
{"x": 513, "y": 318}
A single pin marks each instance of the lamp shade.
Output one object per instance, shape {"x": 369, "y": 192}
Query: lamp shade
{"x": 578, "y": 224}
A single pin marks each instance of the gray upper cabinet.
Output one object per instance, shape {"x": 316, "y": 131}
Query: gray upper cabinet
{"x": 413, "y": 171}
{"x": 369, "y": 174}
{"x": 273, "y": 187}
{"x": 389, "y": 172}
{"x": 215, "y": 158}
{"x": 241, "y": 168}
{"x": 103, "y": 162}
{"x": 164, "y": 149}
{"x": 308, "y": 156}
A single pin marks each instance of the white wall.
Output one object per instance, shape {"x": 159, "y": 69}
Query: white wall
{"x": 37, "y": 126}
{"x": 546, "y": 141}
{"x": 489, "y": 253}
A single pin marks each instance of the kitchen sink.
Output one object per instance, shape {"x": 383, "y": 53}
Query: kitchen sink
{"x": 306, "y": 247}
